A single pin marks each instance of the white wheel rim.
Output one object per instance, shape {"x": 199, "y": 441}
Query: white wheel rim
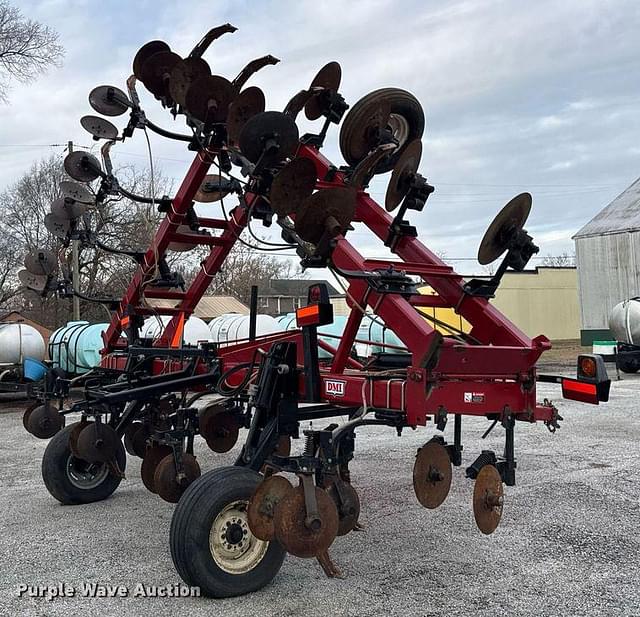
{"x": 233, "y": 547}
{"x": 85, "y": 479}
{"x": 399, "y": 128}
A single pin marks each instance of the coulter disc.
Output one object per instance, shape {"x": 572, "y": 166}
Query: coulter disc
{"x": 292, "y": 532}
{"x": 97, "y": 443}
{"x": 263, "y": 503}
{"x": 488, "y": 499}
{"x": 150, "y": 462}
{"x": 432, "y": 474}
{"x": 165, "y": 478}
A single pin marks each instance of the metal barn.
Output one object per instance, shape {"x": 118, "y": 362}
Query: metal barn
{"x": 608, "y": 261}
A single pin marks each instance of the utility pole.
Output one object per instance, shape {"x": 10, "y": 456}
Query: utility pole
{"x": 75, "y": 265}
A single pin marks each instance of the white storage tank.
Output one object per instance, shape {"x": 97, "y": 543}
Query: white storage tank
{"x": 195, "y": 329}
{"x": 232, "y": 327}
{"x": 624, "y": 321}
{"x": 19, "y": 341}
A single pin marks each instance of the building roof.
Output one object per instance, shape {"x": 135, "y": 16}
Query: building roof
{"x": 295, "y": 287}
{"x": 209, "y": 306}
{"x": 622, "y": 214}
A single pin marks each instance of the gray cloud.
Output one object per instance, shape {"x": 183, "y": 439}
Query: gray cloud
{"x": 518, "y": 96}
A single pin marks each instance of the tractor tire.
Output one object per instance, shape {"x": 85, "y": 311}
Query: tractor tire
{"x": 211, "y": 543}
{"x": 406, "y": 123}
{"x": 628, "y": 366}
{"x": 73, "y": 481}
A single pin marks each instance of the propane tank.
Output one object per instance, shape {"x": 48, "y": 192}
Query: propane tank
{"x": 76, "y": 347}
{"x": 195, "y": 329}
{"x": 624, "y": 321}
{"x": 231, "y": 327}
{"x": 19, "y": 341}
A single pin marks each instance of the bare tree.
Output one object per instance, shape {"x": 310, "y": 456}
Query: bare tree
{"x": 564, "y": 260}
{"x": 27, "y": 48}
{"x": 118, "y": 223}
{"x": 245, "y": 267}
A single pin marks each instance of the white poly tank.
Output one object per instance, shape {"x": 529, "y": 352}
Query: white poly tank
{"x": 195, "y": 329}
{"x": 19, "y": 341}
{"x": 624, "y": 321}
{"x": 234, "y": 326}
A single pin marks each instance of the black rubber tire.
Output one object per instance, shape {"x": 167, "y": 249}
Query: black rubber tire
{"x": 627, "y": 366}
{"x": 402, "y": 103}
{"x": 56, "y": 478}
{"x": 191, "y": 525}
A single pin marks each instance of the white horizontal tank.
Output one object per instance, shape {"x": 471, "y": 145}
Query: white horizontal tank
{"x": 624, "y": 321}
{"x": 231, "y": 327}
{"x": 19, "y": 341}
{"x": 195, "y": 329}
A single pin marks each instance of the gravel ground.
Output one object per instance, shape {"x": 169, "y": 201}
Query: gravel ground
{"x": 568, "y": 544}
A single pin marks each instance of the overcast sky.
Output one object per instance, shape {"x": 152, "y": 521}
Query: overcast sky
{"x": 540, "y": 96}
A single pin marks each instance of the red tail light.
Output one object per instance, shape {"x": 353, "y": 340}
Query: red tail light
{"x": 580, "y": 391}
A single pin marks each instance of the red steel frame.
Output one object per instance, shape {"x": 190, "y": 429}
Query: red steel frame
{"x": 496, "y": 375}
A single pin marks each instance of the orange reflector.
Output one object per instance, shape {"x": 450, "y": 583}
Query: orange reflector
{"x": 177, "y": 335}
{"x": 308, "y": 315}
{"x": 580, "y": 391}
{"x": 588, "y": 367}
{"x": 124, "y": 322}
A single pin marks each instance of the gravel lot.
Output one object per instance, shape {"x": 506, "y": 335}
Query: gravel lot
{"x": 568, "y": 544}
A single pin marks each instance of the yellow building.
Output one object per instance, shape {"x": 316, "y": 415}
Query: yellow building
{"x": 540, "y": 301}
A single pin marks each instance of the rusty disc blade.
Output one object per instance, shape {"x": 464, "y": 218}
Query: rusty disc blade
{"x": 156, "y": 71}
{"x": 403, "y": 171}
{"x": 152, "y": 457}
{"x": 221, "y": 432}
{"x": 77, "y": 192}
{"x": 263, "y": 503}
{"x": 165, "y": 478}
{"x": 82, "y": 166}
{"x": 97, "y": 443}
{"x": 432, "y": 474}
{"x": 41, "y": 262}
{"x": 263, "y": 128}
{"x": 60, "y": 228}
{"x": 27, "y": 413}
{"x": 348, "y": 503}
{"x": 291, "y": 531}
{"x": 326, "y": 211}
{"x": 34, "y": 282}
{"x": 208, "y": 98}
{"x": 246, "y": 105}
{"x": 328, "y": 77}
{"x": 73, "y": 436}
{"x": 144, "y": 53}
{"x": 128, "y": 438}
{"x": 292, "y": 185}
{"x": 67, "y": 208}
{"x": 108, "y": 100}
{"x": 213, "y": 188}
{"x": 488, "y": 498}
{"x": 511, "y": 218}
{"x": 44, "y": 421}
{"x": 184, "y": 74}
{"x": 99, "y": 127}
{"x": 361, "y": 129}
